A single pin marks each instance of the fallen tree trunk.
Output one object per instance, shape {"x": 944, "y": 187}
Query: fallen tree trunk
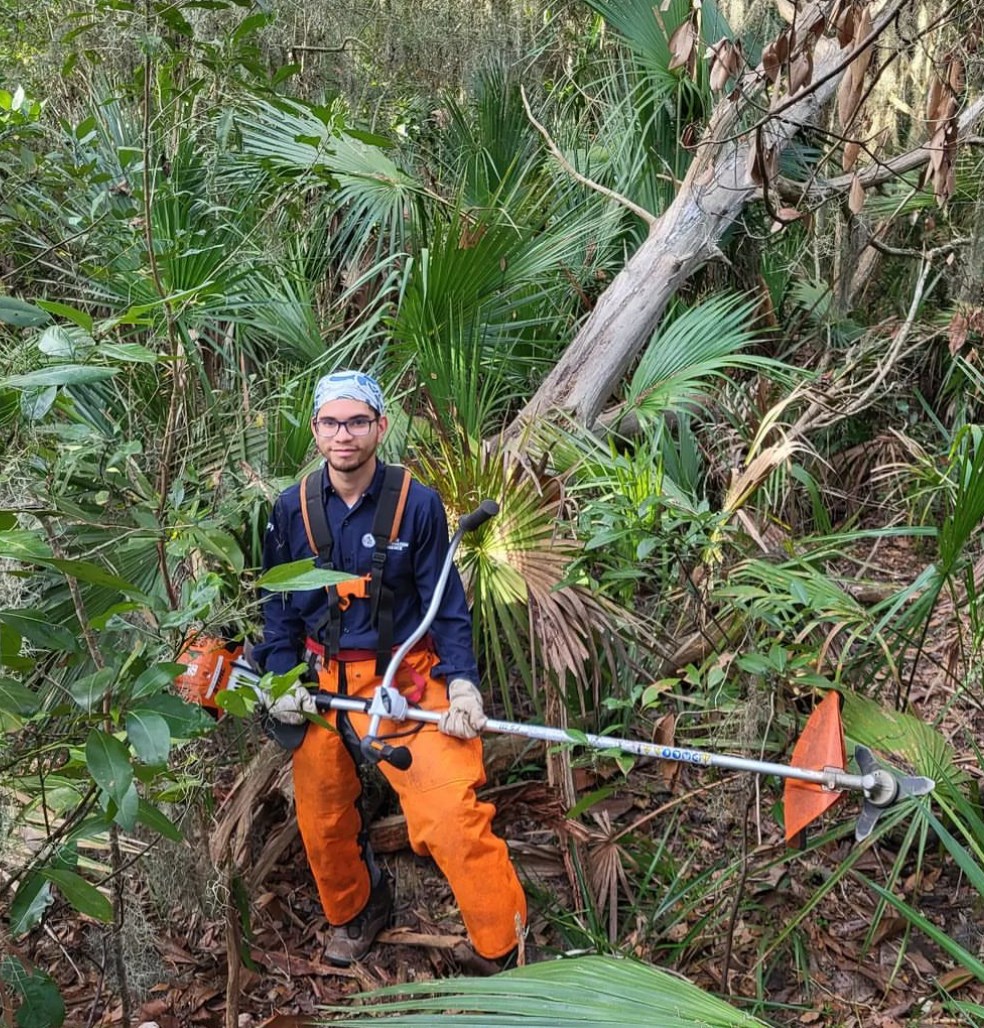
{"x": 717, "y": 187}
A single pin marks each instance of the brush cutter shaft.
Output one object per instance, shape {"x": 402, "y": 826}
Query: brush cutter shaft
{"x": 832, "y": 778}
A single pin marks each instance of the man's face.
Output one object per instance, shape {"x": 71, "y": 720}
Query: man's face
{"x": 343, "y": 436}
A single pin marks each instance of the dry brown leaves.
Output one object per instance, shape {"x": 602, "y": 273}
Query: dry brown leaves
{"x": 941, "y": 117}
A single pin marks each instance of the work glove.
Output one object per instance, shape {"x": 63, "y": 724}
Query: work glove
{"x": 465, "y": 718}
{"x": 292, "y": 706}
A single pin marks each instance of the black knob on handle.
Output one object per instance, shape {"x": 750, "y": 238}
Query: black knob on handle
{"x": 398, "y": 756}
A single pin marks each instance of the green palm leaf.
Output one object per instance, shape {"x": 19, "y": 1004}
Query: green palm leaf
{"x": 587, "y": 991}
{"x": 313, "y": 146}
{"x": 690, "y": 349}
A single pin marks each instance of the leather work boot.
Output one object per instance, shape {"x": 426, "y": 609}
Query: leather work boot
{"x": 353, "y": 940}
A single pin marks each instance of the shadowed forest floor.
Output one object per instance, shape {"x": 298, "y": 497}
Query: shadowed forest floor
{"x": 832, "y": 974}
{"x": 845, "y": 963}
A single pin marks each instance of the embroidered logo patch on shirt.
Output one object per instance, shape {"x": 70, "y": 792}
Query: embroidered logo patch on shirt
{"x": 368, "y": 540}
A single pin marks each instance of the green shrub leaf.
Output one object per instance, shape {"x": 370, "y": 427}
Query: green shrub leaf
{"x": 299, "y": 574}
{"x": 108, "y": 761}
{"x": 36, "y": 626}
{"x": 83, "y": 896}
{"x": 32, "y": 899}
{"x": 157, "y": 821}
{"x": 20, "y": 314}
{"x": 89, "y": 690}
{"x": 41, "y": 1003}
{"x": 149, "y": 736}
{"x": 16, "y": 698}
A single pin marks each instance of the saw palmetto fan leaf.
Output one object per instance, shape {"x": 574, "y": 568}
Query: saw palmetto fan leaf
{"x": 528, "y": 621}
{"x": 587, "y": 991}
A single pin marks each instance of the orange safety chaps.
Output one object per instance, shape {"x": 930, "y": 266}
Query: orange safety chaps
{"x": 445, "y": 819}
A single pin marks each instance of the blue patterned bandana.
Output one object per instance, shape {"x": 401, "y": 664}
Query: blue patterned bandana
{"x": 348, "y": 385}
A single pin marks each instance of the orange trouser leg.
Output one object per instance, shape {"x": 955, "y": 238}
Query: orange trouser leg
{"x": 327, "y": 791}
{"x": 445, "y": 817}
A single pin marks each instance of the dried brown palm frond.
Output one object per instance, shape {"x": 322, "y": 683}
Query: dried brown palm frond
{"x": 265, "y": 781}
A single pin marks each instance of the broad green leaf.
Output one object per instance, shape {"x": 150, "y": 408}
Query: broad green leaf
{"x": 86, "y": 571}
{"x": 185, "y": 720}
{"x": 251, "y": 23}
{"x": 20, "y": 314}
{"x": 36, "y": 626}
{"x": 100, "y": 621}
{"x": 69, "y": 343}
{"x": 108, "y": 761}
{"x": 63, "y": 310}
{"x": 21, "y": 544}
{"x": 41, "y": 1004}
{"x": 223, "y": 545}
{"x": 85, "y": 898}
{"x": 59, "y": 375}
{"x": 153, "y": 680}
{"x": 10, "y": 655}
{"x": 157, "y": 821}
{"x": 32, "y": 899}
{"x": 149, "y": 736}
{"x": 127, "y": 808}
{"x": 89, "y": 690}
{"x": 35, "y": 403}
{"x": 299, "y": 574}
{"x": 129, "y": 353}
{"x": 16, "y": 698}
{"x": 239, "y": 702}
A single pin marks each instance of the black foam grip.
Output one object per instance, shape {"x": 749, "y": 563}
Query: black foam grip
{"x": 485, "y": 510}
{"x": 400, "y": 757}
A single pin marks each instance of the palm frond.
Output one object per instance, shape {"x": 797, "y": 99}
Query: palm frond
{"x": 691, "y": 349}
{"x": 585, "y": 991}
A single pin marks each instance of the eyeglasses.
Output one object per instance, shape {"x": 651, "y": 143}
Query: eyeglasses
{"x": 359, "y": 425}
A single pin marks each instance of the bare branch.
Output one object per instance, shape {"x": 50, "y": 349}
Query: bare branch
{"x": 624, "y": 201}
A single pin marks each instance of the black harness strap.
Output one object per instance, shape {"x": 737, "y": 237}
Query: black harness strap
{"x": 320, "y": 540}
{"x": 385, "y": 529}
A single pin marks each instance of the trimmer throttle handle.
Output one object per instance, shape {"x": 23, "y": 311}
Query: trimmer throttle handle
{"x": 375, "y": 752}
{"x": 485, "y": 510}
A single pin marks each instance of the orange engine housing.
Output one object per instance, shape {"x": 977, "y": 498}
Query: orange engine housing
{"x": 208, "y": 664}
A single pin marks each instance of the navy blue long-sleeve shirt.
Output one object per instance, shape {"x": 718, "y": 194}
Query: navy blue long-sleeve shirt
{"x": 413, "y": 564}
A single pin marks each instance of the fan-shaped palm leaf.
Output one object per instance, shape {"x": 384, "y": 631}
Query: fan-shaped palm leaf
{"x": 586, "y": 991}
{"x": 313, "y": 144}
{"x": 691, "y": 349}
{"x": 528, "y": 621}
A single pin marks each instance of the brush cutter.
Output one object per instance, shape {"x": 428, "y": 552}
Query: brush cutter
{"x": 814, "y": 782}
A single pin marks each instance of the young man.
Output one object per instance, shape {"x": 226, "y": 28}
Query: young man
{"x": 341, "y": 638}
